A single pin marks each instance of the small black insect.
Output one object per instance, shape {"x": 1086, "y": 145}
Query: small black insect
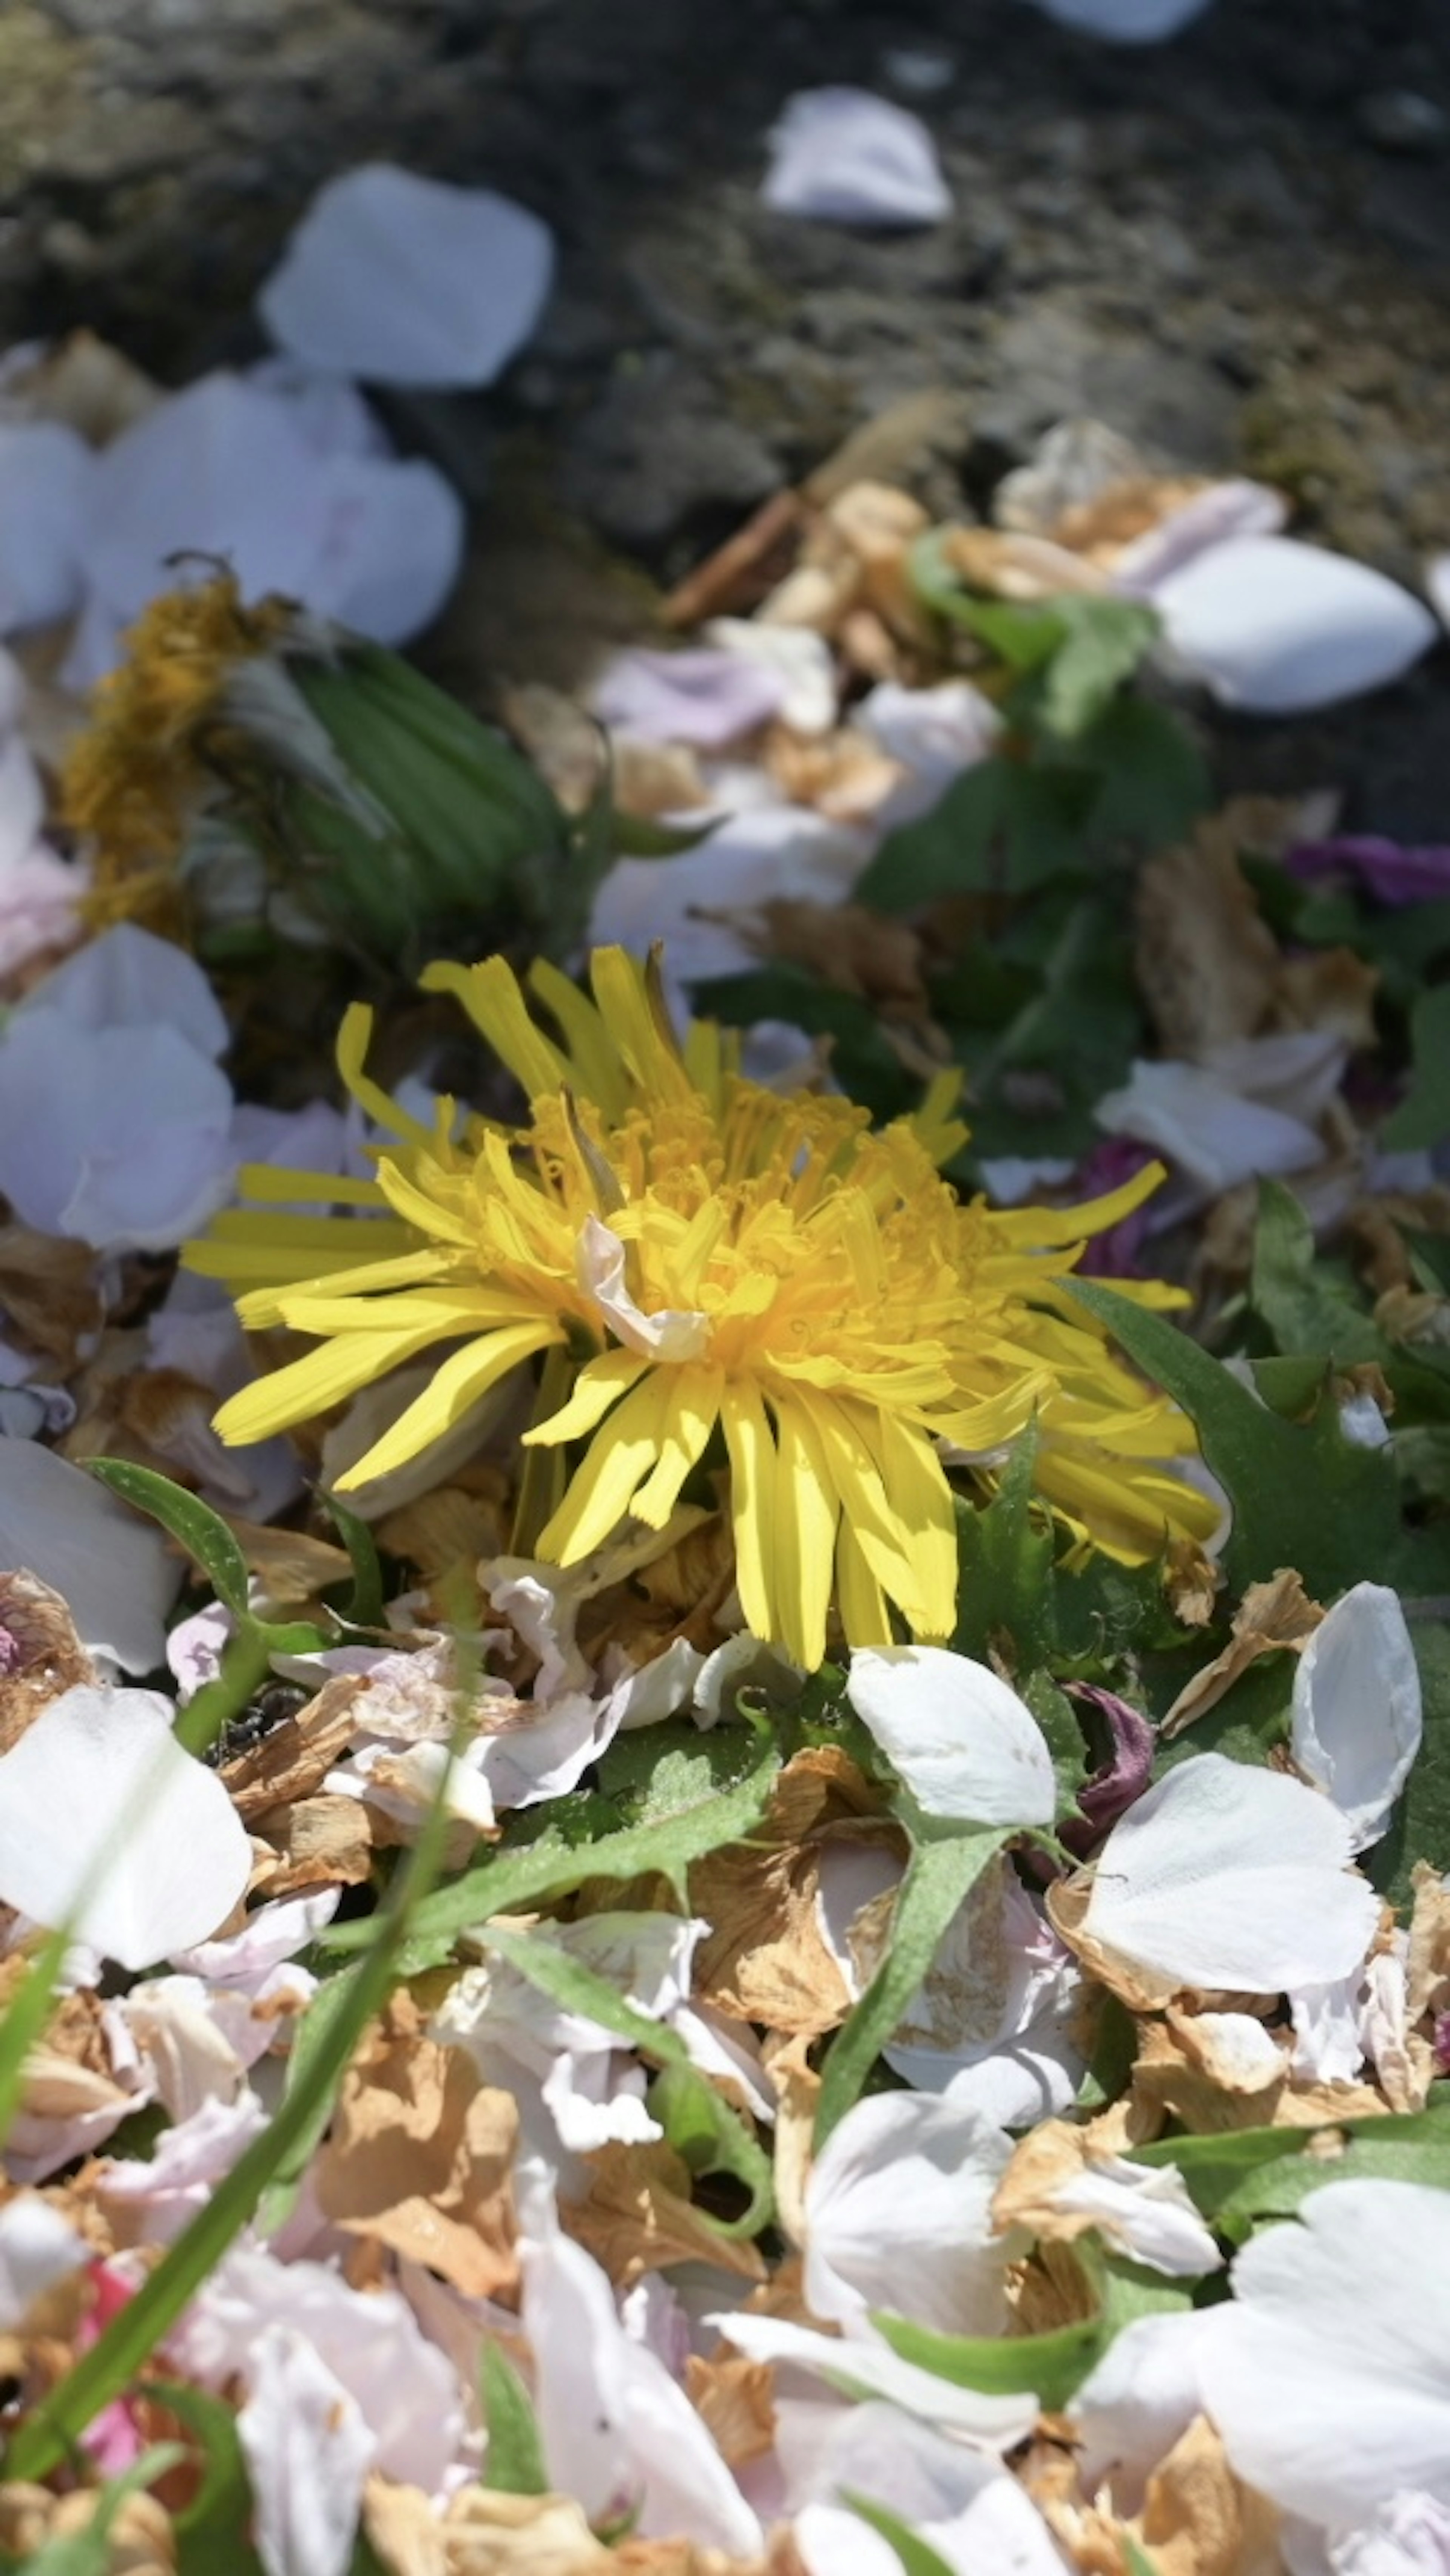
{"x": 269, "y": 1707}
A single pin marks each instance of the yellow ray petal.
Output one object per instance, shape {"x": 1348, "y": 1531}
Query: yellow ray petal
{"x": 921, "y": 1503}
{"x": 315, "y": 1383}
{"x": 602, "y": 1490}
{"x": 807, "y": 1509}
{"x": 860, "y": 1599}
{"x": 352, "y": 1047}
{"x": 753, "y": 1489}
{"x": 600, "y": 1384}
{"x": 693, "y": 1414}
{"x": 493, "y": 999}
{"x": 461, "y": 1380}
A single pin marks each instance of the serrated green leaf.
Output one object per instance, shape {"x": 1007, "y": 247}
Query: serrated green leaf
{"x": 1306, "y": 1306}
{"x": 191, "y": 1522}
{"x": 546, "y": 1965}
{"x": 553, "y": 1867}
{"x": 939, "y": 1875}
{"x": 1103, "y": 643}
{"x": 1005, "y": 1585}
{"x": 1302, "y": 1494}
{"x": 1154, "y": 780}
{"x": 515, "y": 2461}
{"x": 1058, "y": 1720}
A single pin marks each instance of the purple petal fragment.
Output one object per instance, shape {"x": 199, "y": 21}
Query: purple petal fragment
{"x": 1118, "y": 1781}
{"x": 1392, "y": 874}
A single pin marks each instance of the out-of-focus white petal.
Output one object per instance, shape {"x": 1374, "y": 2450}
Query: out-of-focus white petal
{"x": 706, "y": 699}
{"x": 268, "y": 1937}
{"x": 899, "y": 2216}
{"x": 1125, "y": 22}
{"x": 1145, "y": 2210}
{"x": 1226, "y": 1876}
{"x": 1276, "y": 627}
{"x": 130, "y": 979}
{"x": 406, "y": 2390}
{"x": 779, "y": 851}
{"x": 1409, "y": 2536}
{"x": 391, "y": 546}
{"x": 45, "y": 474}
{"x": 37, "y": 2248}
{"x": 1232, "y": 509}
{"x": 308, "y": 2453}
{"x": 117, "y": 1137}
{"x": 795, "y": 657}
{"x": 935, "y": 733}
{"x": 407, "y": 281}
{"x": 150, "y": 2201}
{"x": 1357, "y": 1717}
{"x": 107, "y": 1826}
{"x": 963, "y": 1742}
{"x": 1328, "y": 2372}
{"x": 846, "y": 156}
{"x": 1212, "y": 1133}
{"x": 114, "y": 1571}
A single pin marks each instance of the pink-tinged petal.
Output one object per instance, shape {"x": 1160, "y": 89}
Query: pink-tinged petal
{"x": 703, "y": 698}
{"x": 268, "y": 1937}
{"x": 107, "y": 1826}
{"x": 845, "y": 156}
{"x": 1233, "y": 509}
{"x": 308, "y": 2453}
{"x": 150, "y": 2203}
{"x": 404, "y": 280}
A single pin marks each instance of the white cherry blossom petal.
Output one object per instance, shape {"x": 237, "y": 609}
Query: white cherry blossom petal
{"x": 899, "y": 2216}
{"x": 673, "y": 1336}
{"x": 1144, "y": 2210}
{"x": 1358, "y": 1718}
{"x": 45, "y": 475}
{"x": 1328, "y": 2372}
{"x": 873, "y": 2370}
{"x": 107, "y": 1826}
{"x": 38, "y": 2248}
{"x": 1125, "y": 22}
{"x": 1210, "y": 1131}
{"x": 1227, "y": 1876}
{"x": 1276, "y": 627}
{"x": 404, "y": 280}
{"x": 845, "y": 156}
{"x": 963, "y": 1742}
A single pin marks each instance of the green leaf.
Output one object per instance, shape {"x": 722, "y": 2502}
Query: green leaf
{"x": 364, "y": 1609}
{"x": 916, "y": 2555}
{"x": 1058, "y": 1720}
{"x": 1005, "y": 1590}
{"x": 515, "y": 2461}
{"x": 1423, "y": 1116}
{"x": 553, "y": 1971}
{"x": 939, "y": 1874}
{"x": 1302, "y": 1494}
{"x": 191, "y": 1522}
{"x": 1226, "y": 2172}
{"x": 1048, "y": 2366}
{"x": 212, "y": 2530}
{"x": 1154, "y": 780}
{"x": 1104, "y": 641}
{"x": 1420, "y": 1826}
{"x": 712, "y": 2138}
{"x": 24, "y": 2019}
{"x": 999, "y": 829}
{"x": 1413, "y": 2148}
{"x": 1307, "y": 1307}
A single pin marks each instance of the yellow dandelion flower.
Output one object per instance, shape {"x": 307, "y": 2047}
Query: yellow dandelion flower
{"x": 133, "y": 778}
{"x": 708, "y": 1256}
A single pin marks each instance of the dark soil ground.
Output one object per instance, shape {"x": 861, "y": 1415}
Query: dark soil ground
{"x": 1235, "y": 248}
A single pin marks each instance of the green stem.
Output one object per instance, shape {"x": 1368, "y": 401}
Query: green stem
{"x": 541, "y": 1484}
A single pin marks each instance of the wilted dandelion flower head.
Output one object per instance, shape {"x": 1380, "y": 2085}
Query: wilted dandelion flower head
{"x": 707, "y": 1254}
